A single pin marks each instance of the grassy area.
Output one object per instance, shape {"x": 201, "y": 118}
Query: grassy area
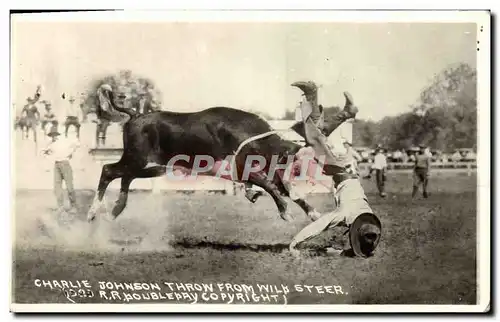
{"x": 427, "y": 253}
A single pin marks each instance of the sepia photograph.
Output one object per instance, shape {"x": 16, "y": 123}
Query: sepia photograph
{"x": 251, "y": 161}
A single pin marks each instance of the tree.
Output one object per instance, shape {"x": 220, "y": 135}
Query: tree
{"x": 449, "y": 106}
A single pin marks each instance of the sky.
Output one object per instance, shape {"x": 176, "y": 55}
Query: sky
{"x": 243, "y": 65}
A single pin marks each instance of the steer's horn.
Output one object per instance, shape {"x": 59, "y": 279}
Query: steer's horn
{"x": 348, "y": 99}
{"x": 106, "y": 87}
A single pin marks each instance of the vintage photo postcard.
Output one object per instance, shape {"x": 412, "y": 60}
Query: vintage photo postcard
{"x": 250, "y": 161}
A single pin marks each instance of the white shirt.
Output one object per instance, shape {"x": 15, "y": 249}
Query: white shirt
{"x": 72, "y": 109}
{"x": 380, "y": 162}
{"x": 62, "y": 149}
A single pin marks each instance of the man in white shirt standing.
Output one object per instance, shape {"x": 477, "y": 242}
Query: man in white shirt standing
{"x": 73, "y": 113}
{"x": 380, "y": 167}
{"x": 61, "y": 150}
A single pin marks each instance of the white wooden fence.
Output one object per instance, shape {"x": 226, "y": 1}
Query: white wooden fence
{"x": 31, "y": 171}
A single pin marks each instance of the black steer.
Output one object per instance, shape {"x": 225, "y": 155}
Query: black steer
{"x": 158, "y": 137}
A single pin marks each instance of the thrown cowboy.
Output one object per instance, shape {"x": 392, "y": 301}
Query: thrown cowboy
{"x": 352, "y": 210}
{"x": 310, "y": 115}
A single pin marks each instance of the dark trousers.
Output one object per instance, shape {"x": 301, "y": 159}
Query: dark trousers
{"x": 317, "y": 138}
{"x": 54, "y": 124}
{"x": 63, "y": 171}
{"x": 380, "y": 178}
{"x": 420, "y": 176}
{"x": 72, "y": 120}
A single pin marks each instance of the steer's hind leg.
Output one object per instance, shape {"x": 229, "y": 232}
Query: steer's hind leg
{"x": 259, "y": 179}
{"x": 151, "y": 172}
{"x": 287, "y": 190}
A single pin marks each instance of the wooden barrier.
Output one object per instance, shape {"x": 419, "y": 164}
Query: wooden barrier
{"x": 467, "y": 167}
{"x": 34, "y": 172}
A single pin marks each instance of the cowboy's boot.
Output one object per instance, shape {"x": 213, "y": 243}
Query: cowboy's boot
{"x": 309, "y": 88}
{"x": 350, "y": 110}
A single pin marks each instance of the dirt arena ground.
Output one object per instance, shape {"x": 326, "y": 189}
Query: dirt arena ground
{"x": 427, "y": 254}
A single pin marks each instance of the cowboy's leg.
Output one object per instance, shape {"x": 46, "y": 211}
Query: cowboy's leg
{"x": 67, "y": 174}
{"x": 333, "y": 123}
{"x": 33, "y": 128}
{"x": 55, "y": 124}
{"x": 425, "y": 181}
{"x": 67, "y": 124}
{"x": 416, "y": 182}
{"x": 97, "y": 134}
{"x": 58, "y": 191}
{"x": 77, "y": 126}
{"x": 380, "y": 181}
{"x": 336, "y": 121}
{"x": 318, "y": 142}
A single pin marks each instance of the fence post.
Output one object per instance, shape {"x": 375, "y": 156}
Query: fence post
{"x": 155, "y": 187}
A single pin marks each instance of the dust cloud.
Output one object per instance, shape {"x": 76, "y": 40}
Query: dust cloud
{"x": 132, "y": 231}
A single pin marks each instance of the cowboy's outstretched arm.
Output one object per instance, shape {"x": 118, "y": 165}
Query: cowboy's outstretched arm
{"x": 38, "y": 94}
{"x": 313, "y": 229}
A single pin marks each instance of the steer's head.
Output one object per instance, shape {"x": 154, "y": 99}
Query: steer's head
{"x": 105, "y": 100}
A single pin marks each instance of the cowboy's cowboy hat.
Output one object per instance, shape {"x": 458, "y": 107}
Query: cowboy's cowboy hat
{"x": 364, "y": 234}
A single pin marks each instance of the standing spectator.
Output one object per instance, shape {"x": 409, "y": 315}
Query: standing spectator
{"x": 421, "y": 172}
{"x": 61, "y": 152}
{"x": 353, "y": 157}
{"x": 397, "y": 156}
{"x": 456, "y": 157}
{"x": 73, "y": 112}
{"x": 49, "y": 118}
{"x": 380, "y": 167}
{"x": 404, "y": 157}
